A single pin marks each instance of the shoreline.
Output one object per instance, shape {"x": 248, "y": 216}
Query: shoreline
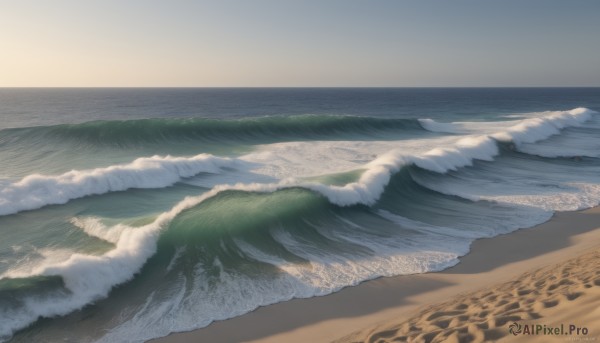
{"x": 557, "y": 303}
{"x": 490, "y": 261}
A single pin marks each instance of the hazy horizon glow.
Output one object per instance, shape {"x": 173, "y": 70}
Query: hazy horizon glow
{"x": 269, "y": 43}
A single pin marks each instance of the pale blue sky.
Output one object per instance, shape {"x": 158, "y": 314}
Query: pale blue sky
{"x": 300, "y": 43}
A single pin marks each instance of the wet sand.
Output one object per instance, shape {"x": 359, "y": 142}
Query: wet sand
{"x": 356, "y": 313}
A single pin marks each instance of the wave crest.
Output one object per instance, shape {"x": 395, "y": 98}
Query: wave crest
{"x": 92, "y": 277}
{"x": 36, "y": 191}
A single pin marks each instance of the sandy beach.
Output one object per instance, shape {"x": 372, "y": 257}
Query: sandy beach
{"x": 555, "y": 303}
{"x": 299, "y": 171}
{"x": 502, "y": 273}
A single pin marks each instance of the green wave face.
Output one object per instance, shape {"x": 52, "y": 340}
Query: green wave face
{"x": 263, "y": 129}
{"x": 243, "y": 214}
{"x": 100, "y": 143}
{"x": 237, "y": 250}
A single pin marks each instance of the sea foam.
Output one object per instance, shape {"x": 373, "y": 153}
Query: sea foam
{"x": 89, "y": 278}
{"x": 36, "y": 191}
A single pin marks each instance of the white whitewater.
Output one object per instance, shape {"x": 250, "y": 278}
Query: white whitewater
{"x": 89, "y": 278}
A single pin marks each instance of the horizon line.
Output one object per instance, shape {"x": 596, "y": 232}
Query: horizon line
{"x": 274, "y": 87}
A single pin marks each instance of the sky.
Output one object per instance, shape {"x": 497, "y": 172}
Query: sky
{"x": 302, "y": 43}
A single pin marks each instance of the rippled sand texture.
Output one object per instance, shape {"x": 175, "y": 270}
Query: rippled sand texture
{"x": 567, "y": 293}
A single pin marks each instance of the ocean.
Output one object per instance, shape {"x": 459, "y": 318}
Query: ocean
{"x": 128, "y": 214}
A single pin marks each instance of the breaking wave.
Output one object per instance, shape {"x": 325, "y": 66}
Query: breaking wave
{"x": 87, "y": 278}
